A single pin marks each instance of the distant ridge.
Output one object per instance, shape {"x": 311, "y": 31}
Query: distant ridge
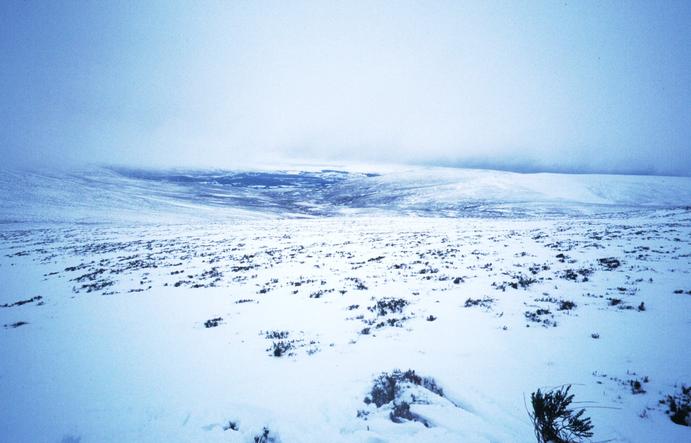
{"x": 112, "y": 194}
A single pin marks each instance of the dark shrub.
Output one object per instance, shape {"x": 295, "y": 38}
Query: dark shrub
{"x": 679, "y": 406}
{"x": 231, "y": 426}
{"x": 212, "y": 323}
{"x": 484, "y": 302}
{"x": 542, "y": 316}
{"x": 22, "y": 302}
{"x": 524, "y": 282}
{"x": 554, "y": 421}
{"x": 277, "y": 335}
{"x": 384, "y": 389}
{"x": 390, "y": 389}
{"x": 576, "y": 274}
{"x": 387, "y": 386}
{"x": 16, "y": 324}
{"x": 566, "y": 305}
{"x": 401, "y": 412}
{"x": 636, "y": 387}
{"x": 389, "y": 305}
{"x": 265, "y": 437}
{"x": 280, "y": 348}
{"x": 609, "y": 263}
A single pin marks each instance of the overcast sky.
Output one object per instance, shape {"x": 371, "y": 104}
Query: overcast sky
{"x": 558, "y": 85}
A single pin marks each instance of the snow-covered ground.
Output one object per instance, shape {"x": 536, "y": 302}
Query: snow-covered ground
{"x": 203, "y": 307}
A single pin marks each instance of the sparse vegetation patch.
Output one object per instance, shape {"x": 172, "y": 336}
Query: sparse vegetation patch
{"x": 388, "y": 306}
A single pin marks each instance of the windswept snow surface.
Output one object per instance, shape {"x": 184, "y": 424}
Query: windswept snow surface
{"x": 206, "y": 306}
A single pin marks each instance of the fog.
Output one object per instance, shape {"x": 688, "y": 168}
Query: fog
{"x": 527, "y": 86}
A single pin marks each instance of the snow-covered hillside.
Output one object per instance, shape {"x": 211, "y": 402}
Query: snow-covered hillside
{"x": 216, "y": 306}
{"x": 119, "y": 194}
